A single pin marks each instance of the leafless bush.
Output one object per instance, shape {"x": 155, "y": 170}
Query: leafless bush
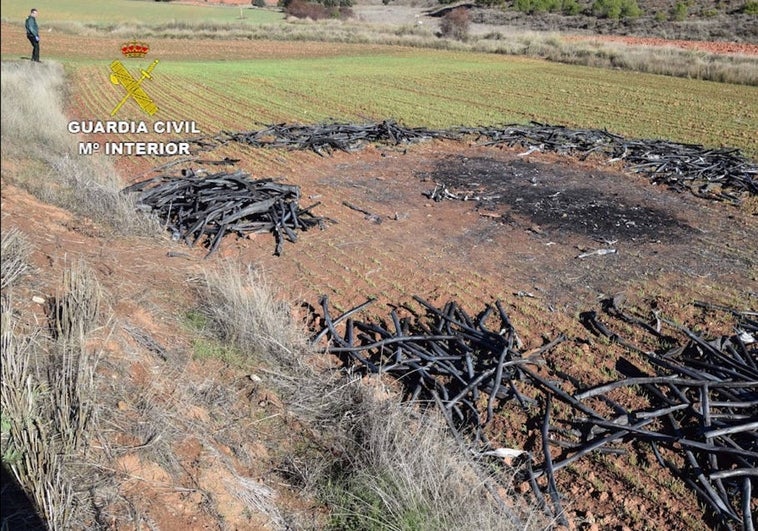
{"x": 314, "y": 11}
{"x": 455, "y": 24}
{"x": 310, "y": 10}
{"x": 14, "y": 257}
{"x": 74, "y": 311}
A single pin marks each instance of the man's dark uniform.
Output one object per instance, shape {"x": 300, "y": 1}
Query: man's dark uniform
{"x": 32, "y": 33}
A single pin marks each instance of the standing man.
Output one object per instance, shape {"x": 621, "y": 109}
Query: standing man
{"x": 32, "y": 33}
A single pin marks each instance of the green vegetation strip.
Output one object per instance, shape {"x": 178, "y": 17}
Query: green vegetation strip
{"x": 441, "y": 89}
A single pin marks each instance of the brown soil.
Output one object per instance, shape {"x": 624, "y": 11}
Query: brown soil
{"x": 726, "y": 48}
{"x": 520, "y": 246}
{"x": 542, "y": 212}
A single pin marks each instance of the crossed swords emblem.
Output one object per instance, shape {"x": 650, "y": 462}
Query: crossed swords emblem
{"x": 121, "y": 76}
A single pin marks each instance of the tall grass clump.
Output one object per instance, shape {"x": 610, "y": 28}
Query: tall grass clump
{"x": 375, "y": 463}
{"x": 74, "y": 312}
{"x": 30, "y": 450}
{"x": 403, "y": 471}
{"x": 14, "y": 257}
{"x": 48, "y": 403}
{"x": 32, "y": 122}
{"x": 35, "y": 134}
{"x": 244, "y": 309}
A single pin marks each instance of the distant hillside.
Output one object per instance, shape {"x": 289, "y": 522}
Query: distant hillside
{"x": 706, "y": 20}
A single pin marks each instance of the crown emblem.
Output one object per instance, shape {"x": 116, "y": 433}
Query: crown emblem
{"x": 134, "y": 49}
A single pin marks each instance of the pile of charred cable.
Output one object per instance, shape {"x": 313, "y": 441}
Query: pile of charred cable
{"x": 710, "y": 173}
{"x": 678, "y": 165}
{"x": 453, "y": 358}
{"x": 325, "y": 138}
{"x": 447, "y": 358}
{"x": 205, "y": 208}
{"x": 702, "y": 401}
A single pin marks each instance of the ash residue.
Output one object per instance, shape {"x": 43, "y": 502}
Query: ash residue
{"x": 558, "y": 197}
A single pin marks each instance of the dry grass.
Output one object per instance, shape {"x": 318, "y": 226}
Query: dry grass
{"x": 247, "y": 311}
{"x": 32, "y": 123}
{"x": 28, "y": 448}
{"x": 35, "y": 134}
{"x": 669, "y": 61}
{"x": 14, "y": 257}
{"x": 74, "y": 311}
{"x": 47, "y": 408}
{"x": 400, "y": 470}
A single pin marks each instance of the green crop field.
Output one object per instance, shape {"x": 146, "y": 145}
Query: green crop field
{"x": 110, "y": 12}
{"x": 440, "y": 89}
{"x": 236, "y": 84}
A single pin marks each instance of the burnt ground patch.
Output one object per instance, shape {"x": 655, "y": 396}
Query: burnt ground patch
{"x": 540, "y": 222}
{"x": 559, "y": 197}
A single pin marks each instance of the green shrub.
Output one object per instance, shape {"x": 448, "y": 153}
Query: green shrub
{"x": 524, "y": 6}
{"x": 571, "y": 7}
{"x": 680, "y": 11}
{"x": 616, "y": 9}
{"x": 567, "y": 7}
{"x": 750, "y": 8}
{"x": 550, "y": 6}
